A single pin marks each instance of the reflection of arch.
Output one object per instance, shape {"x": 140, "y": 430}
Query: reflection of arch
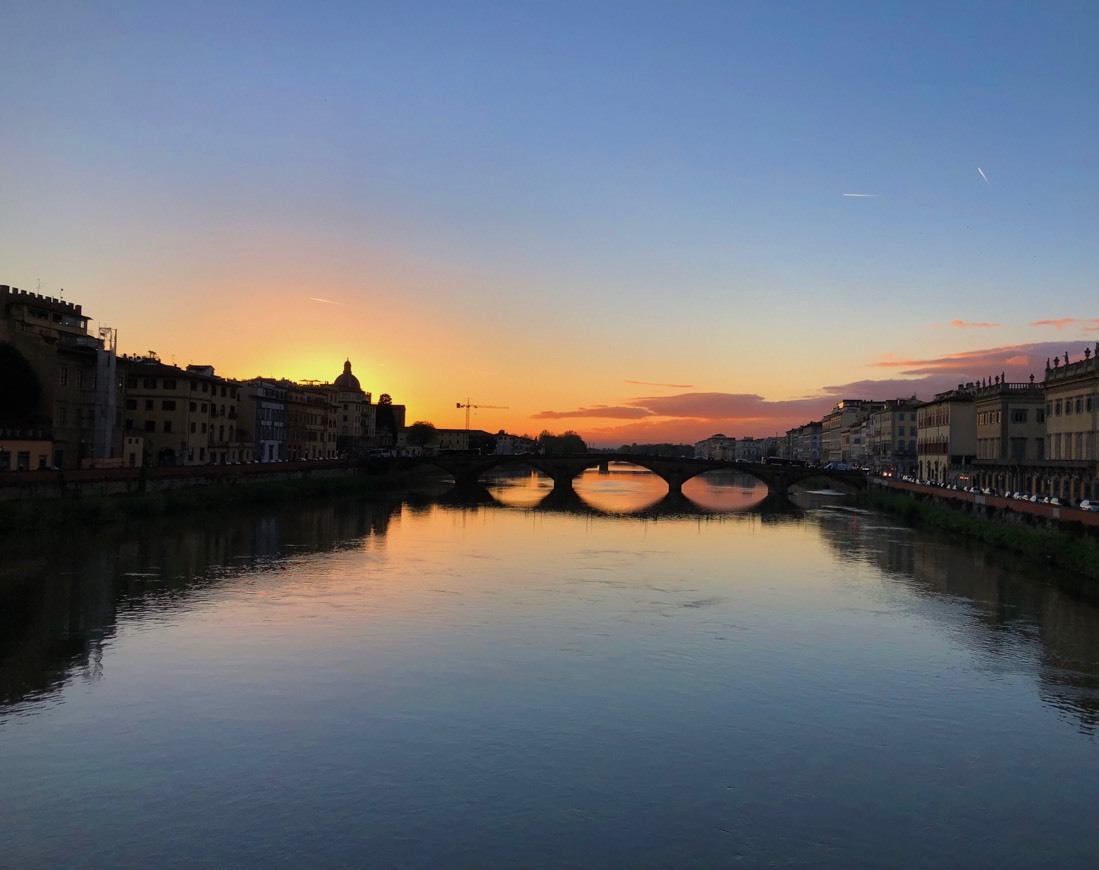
{"x": 166, "y": 456}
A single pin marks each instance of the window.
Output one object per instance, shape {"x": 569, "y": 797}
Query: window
{"x": 131, "y": 404}
{"x": 61, "y": 417}
{"x": 148, "y": 404}
{"x": 1057, "y": 409}
{"x": 1039, "y": 417}
{"x": 150, "y": 425}
{"x": 1079, "y": 405}
{"x": 192, "y": 407}
{"x": 149, "y": 383}
{"x": 192, "y": 428}
{"x": 167, "y": 425}
{"x": 1019, "y": 415}
{"x": 64, "y": 375}
{"x": 131, "y": 383}
{"x": 169, "y": 383}
{"x": 168, "y": 405}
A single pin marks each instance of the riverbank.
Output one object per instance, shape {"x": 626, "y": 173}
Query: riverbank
{"x": 219, "y": 497}
{"x": 1074, "y": 551}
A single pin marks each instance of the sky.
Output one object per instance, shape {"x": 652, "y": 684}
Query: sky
{"x": 628, "y": 219}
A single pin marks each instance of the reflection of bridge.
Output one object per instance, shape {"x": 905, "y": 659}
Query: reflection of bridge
{"x": 562, "y": 470}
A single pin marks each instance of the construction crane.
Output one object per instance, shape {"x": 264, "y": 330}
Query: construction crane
{"x": 469, "y": 405}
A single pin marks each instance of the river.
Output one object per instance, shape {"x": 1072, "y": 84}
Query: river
{"x": 523, "y": 681}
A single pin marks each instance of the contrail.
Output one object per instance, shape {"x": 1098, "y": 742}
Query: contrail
{"x": 862, "y": 194}
{"x": 985, "y": 177}
{"x": 318, "y": 299}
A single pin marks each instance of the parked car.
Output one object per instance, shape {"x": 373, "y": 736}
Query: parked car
{"x": 1087, "y": 505}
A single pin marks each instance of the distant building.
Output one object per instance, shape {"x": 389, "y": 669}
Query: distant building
{"x": 514, "y": 445}
{"x": 846, "y": 413}
{"x": 891, "y": 437}
{"x": 716, "y": 447}
{"x": 803, "y": 442}
{"x": 356, "y": 416}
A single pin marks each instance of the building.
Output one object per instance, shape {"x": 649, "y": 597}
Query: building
{"x": 946, "y": 440}
{"x": 846, "y": 413}
{"x": 891, "y": 435}
{"x": 1010, "y": 435}
{"x": 356, "y": 416}
{"x": 515, "y": 445}
{"x": 61, "y": 388}
{"x": 1072, "y": 427}
{"x": 803, "y": 443}
{"x": 717, "y": 447}
{"x": 311, "y": 413}
{"x": 262, "y": 421}
{"x": 185, "y": 416}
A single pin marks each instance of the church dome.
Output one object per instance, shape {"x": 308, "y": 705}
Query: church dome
{"x": 348, "y": 381}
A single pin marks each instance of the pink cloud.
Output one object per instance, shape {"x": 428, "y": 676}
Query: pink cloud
{"x": 649, "y": 384}
{"x": 965, "y": 324}
{"x": 594, "y": 412}
{"x": 690, "y": 417}
{"x": 1062, "y": 322}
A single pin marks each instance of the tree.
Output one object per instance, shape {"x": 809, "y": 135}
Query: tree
{"x": 421, "y": 434}
{"x": 385, "y": 399}
{"x": 559, "y": 445}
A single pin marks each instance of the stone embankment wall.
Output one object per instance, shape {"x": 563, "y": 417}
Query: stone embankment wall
{"x": 997, "y": 507}
{"x": 34, "y": 485}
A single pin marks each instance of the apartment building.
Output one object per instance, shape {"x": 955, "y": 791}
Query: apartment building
{"x": 262, "y": 419}
{"x": 803, "y": 442}
{"x": 1072, "y": 426}
{"x": 717, "y": 447}
{"x": 846, "y": 413}
{"x": 185, "y": 416}
{"x": 946, "y": 440}
{"x": 890, "y": 437}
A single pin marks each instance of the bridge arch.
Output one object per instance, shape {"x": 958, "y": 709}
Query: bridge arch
{"x": 562, "y": 470}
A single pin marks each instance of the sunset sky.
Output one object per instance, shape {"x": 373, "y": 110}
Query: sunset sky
{"x": 627, "y": 219}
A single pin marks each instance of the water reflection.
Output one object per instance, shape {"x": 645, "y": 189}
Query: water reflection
{"x": 61, "y": 598}
{"x": 1011, "y": 616}
{"x": 623, "y": 488}
{"x": 61, "y": 601}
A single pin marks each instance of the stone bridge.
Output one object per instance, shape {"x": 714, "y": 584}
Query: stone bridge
{"x": 562, "y": 470}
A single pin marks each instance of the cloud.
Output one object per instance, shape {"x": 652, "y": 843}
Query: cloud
{"x": 689, "y": 417}
{"x": 973, "y": 364}
{"x": 650, "y": 384}
{"x": 965, "y": 324}
{"x": 325, "y": 301}
{"x": 1062, "y": 322}
{"x": 598, "y": 411}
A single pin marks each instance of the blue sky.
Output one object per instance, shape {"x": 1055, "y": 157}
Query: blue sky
{"x": 536, "y": 204}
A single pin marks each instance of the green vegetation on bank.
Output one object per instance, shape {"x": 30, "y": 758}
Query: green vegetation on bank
{"x": 1073, "y": 551}
{"x": 100, "y": 510}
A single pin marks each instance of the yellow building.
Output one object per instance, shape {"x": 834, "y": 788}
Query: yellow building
{"x": 1072, "y": 424}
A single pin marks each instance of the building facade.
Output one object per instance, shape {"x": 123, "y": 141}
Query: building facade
{"x": 946, "y": 443}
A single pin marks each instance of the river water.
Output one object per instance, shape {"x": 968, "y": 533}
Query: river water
{"x": 605, "y": 680}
